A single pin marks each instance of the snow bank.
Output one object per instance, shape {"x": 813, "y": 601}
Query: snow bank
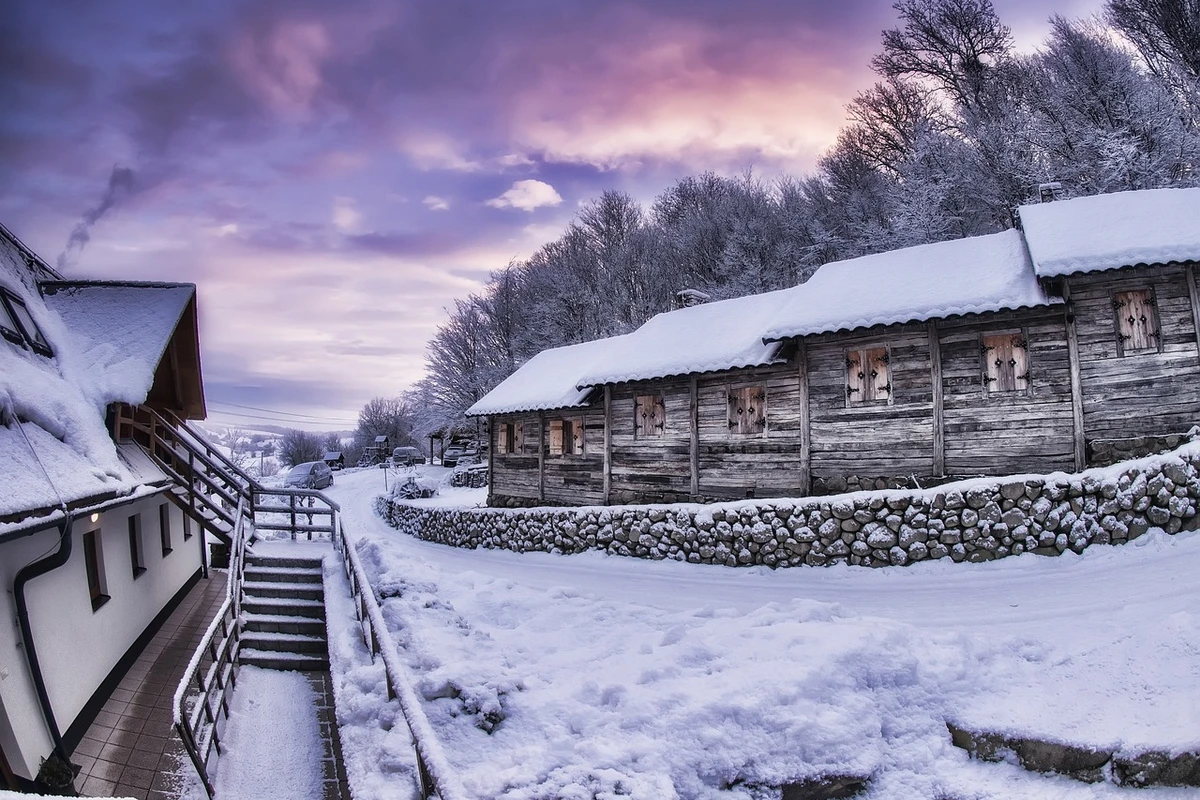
{"x": 1106, "y": 231}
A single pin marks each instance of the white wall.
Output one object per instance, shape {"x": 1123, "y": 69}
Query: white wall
{"x": 76, "y": 646}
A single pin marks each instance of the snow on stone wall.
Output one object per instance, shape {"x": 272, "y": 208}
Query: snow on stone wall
{"x": 976, "y": 520}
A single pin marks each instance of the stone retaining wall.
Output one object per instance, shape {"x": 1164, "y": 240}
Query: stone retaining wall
{"x": 975, "y": 520}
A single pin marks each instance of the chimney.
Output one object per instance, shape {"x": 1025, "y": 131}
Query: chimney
{"x": 1049, "y": 192}
{"x": 685, "y": 298}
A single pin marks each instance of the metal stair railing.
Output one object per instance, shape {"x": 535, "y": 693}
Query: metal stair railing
{"x": 435, "y": 777}
{"x": 201, "y": 700}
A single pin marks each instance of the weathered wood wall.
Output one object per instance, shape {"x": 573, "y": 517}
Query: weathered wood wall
{"x": 766, "y": 464}
{"x": 577, "y": 479}
{"x": 878, "y": 438}
{"x": 1138, "y": 394}
{"x": 995, "y": 433}
{"x": 515, "y": 474}
{"x": 654, "y": 469}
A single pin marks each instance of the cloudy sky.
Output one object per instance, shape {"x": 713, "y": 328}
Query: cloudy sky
{"x": 333, "y": 175}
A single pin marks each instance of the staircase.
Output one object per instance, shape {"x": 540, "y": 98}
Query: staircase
{"x": 283, "y": 614}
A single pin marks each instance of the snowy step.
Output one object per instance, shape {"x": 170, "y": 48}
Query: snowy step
{"x": 269, "y": 573}
{"x": 1083, "y": 763}
{"x": 272, "y": 659}
{"x": 271, "y": 561}
{"x": 284, "y": 642}
{"x": 284, "y": 606}
{"x": 302, "y": 591}
{"x": 282, "y": 623}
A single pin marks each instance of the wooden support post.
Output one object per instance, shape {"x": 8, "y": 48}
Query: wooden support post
{"x": 607, "y": 444}
{"x": 1194, "y": 296}
{"x": 805, "y": 418}
{"x": 935, "y": 368}
{"x": 493, "y": 449}
{"x": 694, "y": 422}
{"x": 1076, "y": 379}
{"x": 541, "y": 457}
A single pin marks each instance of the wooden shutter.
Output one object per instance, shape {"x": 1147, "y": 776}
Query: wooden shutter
{"x": 748, "y": 410}
{"x": 650, "y": 416}
{"x": 1005, "y": 363}
{"x": 877, "y": 381}
{"x": 577, "y": 436}
{"x": 1137, "y": 321}
{"x": 556, "y": 437}
{"x": 518, "y": 437}
{"x": 502, "y": 434}
{"x": 855, "y": 377}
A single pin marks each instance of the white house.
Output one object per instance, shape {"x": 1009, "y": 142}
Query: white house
{"x": 93, "y": 552}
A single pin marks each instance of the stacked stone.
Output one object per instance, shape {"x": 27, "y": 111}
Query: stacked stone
{"x": 974, "y": 522}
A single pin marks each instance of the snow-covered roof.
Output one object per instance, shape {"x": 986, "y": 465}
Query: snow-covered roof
{"x": 54, "y": 447}
{"x": 545, "y": 382}
{"x": 1086, "y": 234}
{"x": 713, "y": 336}
{"x": 961, "y": 276}
{"x": 119, "y": 331}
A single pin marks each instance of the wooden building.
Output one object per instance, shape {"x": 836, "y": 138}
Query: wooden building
{"x": 1022, "y": 351}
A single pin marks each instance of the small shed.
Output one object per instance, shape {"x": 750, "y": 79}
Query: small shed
{"x": 334, "y": 459}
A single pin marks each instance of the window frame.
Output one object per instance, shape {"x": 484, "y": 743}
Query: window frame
{"x": 645, "y": 426}
{"x": 1027, "y": 377}
{"x": 567, "y": 427}
{"x": 863, "y": 354}
{"x": 746, "y": 395}
{"x": 137, "y": 550}
{"x": 509, "y": 438}
{"x": 34, "y": 339}
{"x": 93, "y": 565}
{"x": 164, "y": 529}
{"x": 10, "y": 327}
{"x": 1152, "y": 301}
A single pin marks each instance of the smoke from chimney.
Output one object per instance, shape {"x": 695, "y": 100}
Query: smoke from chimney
{"x": 120, "y": 187}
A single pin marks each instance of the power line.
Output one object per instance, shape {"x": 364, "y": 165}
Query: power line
{"x": 281, "y": 421}
{"x": 273, "y": 411}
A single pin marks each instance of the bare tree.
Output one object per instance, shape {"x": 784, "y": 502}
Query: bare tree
{"x": 298, "y": 447}
{"x": 1165, "y": 32}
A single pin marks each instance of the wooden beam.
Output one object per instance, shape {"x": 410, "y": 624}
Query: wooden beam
{"x": 541, "y": 456}
{"x": 694, "y": 441}
{"x": 1076, "y": 379}
{"x": 607, "y": 444}
{"x": 935, "y": 368}
{"x": 492, "y": 451}
{"x": 805, "y": 418}
{"x": 1194, "y": 296}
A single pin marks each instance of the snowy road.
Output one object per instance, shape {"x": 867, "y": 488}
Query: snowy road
{"x": 575, "y": 658}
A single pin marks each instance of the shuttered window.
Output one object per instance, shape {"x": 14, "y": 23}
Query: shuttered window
{"x": 508, "y": 438}
{"x": 649, "y": 416}
{"x": 1137, "y": 321}
{"x": 748, "y": 410}
{"x": 1005, "y": 363}
{"x": 566, "y": 437}
{"x": 868, "y": 376}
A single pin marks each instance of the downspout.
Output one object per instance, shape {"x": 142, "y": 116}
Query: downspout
{"x": 26, "y": 574}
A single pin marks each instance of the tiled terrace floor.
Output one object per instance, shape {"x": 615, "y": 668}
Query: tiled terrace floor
{"x": 132, "y": 750}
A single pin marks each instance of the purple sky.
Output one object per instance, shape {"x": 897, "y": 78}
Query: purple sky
{"x": 333, "y": 175}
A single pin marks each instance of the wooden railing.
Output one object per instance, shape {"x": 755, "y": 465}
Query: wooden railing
{"x": 300, "y": 512}
{"x": 201, "y": 701}
{"x": 434, "y": 774}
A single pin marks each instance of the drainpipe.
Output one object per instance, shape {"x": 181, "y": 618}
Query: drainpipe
{"x": 26, "y": 574}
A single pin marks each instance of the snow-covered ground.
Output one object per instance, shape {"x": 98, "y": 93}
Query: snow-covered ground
{"x": 600, "y": 676}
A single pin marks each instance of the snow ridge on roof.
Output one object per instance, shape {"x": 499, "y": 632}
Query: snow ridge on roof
{"x": 119, "y": 332}
{"x": 712, "y": 336}
{"x": 545, "y": 382}
{"x": 1106, "y": 231}
{"x": 960, "y": 276}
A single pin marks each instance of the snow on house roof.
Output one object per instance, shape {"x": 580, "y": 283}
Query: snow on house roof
{"x": 704, "y": 338}
{"x": 1086, "y": 234}
{"x": 545, "y": 382}
{"x": 961, "y": 276}
{"x": 119, "y": 332}
{"x": 51, "y": 416}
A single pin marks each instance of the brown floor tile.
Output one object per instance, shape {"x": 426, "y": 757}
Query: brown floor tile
{"x": 89, "y": 747}
{"x": 116, "y": 753}
{"x": 106, "y": 770}
{"x": 98, "y": 787}
{"x": 127, "y": 790}
{"x": 137, "y": 776}
{"x": 144, "y": 759}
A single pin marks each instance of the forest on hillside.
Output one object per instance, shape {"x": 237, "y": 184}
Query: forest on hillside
{"x": 958, "y": 131}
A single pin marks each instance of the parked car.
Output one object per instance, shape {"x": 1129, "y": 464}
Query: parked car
{"x": 310, "y": 475}
{"x": 407, "y": 456}
{"x": 452, "y": 453}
